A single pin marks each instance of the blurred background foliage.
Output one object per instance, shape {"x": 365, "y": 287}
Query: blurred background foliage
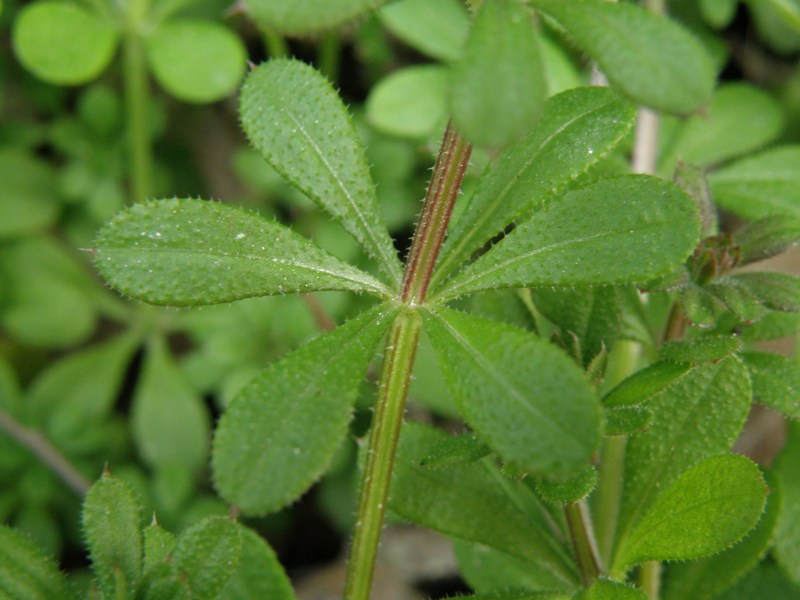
{"x": 88, "y": 379}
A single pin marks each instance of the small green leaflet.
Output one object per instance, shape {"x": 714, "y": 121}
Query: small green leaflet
{"x": 26, "y": 573}
{"x": 618, "y": 230}
{"x": 437, "y": 28}
{"x": 606, "y": 589}
{"x": 776, "y": 381}
{"x": 628, "y": 44}
{"x": 304, "y": 17}
{"x": 577, "y": 128}
{"x": 190, "y": 252}
{"x": 282, "y": 430}
{"x": 294, "y": 118}
{"x": 708, "y": 509}
{"x": 525, "y": 398}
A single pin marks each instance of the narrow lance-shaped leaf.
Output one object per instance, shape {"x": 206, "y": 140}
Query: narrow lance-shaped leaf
{"x": 526, "y": 399}
{"x": 303, "y": 17}
{"x": 699, "y": 416}
{"x": 617, "y": 230}
{"x": 113, "y": 528}
{"x": 629, "y": 44}
{"x": 577, "y": 128}
{"x": 282, "y": 430}
{"x": 501, "y": 53}
{"x": 710, "y": 508}
{"x": 292, "y": 115}
{"x": 189, "y": 252}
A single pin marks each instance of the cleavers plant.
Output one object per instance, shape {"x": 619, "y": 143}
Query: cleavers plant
{"x": 561, "y": 302}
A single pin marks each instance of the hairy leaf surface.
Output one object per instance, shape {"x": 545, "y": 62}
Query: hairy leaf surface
{"x": 281, "y": 431}
{"x": 26, "y": 573}
{"x": 293, "y": 116}
{"x": 628, "y": 44}
{"x": 526, "y": 399}
{"x": 206, "y": 555}
{"x": 699, "y": 416}
{"x": 708, "y": 509}
{"x": 577, "y": 128}
{"x": 776, "y": 381}
{"x": 617, "y": 230}
{"x": 189, "y": 252}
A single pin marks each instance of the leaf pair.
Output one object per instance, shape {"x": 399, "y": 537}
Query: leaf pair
{"x": 66, "y": 44}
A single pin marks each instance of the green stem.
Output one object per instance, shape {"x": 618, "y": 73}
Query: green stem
{"x": 583, "y": 542}
{"x": 398, "y": 362}
{"x": 650, "y": 579}
{"x": 275, "y": 44}
{"x": 137, "y": 97}
{"x": 329, "y": 55}
{"x": 401, "y": 349}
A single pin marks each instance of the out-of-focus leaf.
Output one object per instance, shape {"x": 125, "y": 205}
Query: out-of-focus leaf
{"x": 28, "y": 202}
{"x": 410, "y": 102}
{"x": 628, "y": 44}
{"x": 63, "y": 43}
{"x": 170, "y": 422}
{"x": 767, "y": 237}
{"x": 523, "y": 375}
{"x": 282, "y": 430}
{"x": 776, "y": 381}
{"x": 26, "y": 573}
{"x": 787, "y": 533}
{"x": 304, "y": 17}
{"x": 293, "y": 116}
{"x": 606, "y": 589}
{"x": 189, "y": 252}
{"x": 761, "y": 185}
{"x": 437, "y": 28}
{"x": 195, "y": 60}
{"x": 502, "y": 52}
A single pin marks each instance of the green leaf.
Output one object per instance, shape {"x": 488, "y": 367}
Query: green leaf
{"x": 738, "y": 297}
{"x": 625, "y": 420}
{"x": 765, "y": 581}
{"x": 303, "y": 17}
{"x": 773, "y": 326}
{"x": 776, "y": 381}
{"x": 543, "y": 415}
{"x": 776, "y": 291}
{"x": 739, "y": 120}
{"x": 699, "y": 416}
{"x": 761, "y": 185}
{"x": 26, "y": 573}
{"x": 292, "y": 115}
{"x": 618, "y": 230}
{"x": 63, "y": 43}
{"x": 577, "y": 129}
{"x": 436, "y": 28}
{"x": 410, "y": 102}
{"x": 112, "y": 524}
{"x": 572, "y": 489}
{"x": 590, "y": 319}
{"x": 28, "y": 202}
{"x": 708, "y": 509}
{"x": 606, "y": 589}
{"x": 196, "y": 61}
{"x": 206, "y": 556}
{"x": 706, "y": 578}
{"x": 258, "y": 575}
{"x": 787, "y": 533}
{"x": 766, "y": 238}
{"x": 170, "y": 422}
{"x": 280, "y": 433}
{"x": 718, "y": 13}
{"x": 699, "y": 304}
{"x": 77, "y": 391}
{"x": 628, "y": 44}
{"x": 189, "y": 252}
{"x": 645, "y": 383}
{"x": 474, "y": 501}
{"x": 501, "y": 53}
{"x": 456, "y": 450}
{"x": 158, "y": 546}
{"x": 701, "y": 349}
{"x": 490, "y": 571}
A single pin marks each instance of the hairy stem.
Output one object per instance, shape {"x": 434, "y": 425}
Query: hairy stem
{"x": 136, "y": 103}
{"x": 583, "y": 541}
{"x": 398, "y": 362}
{"x": 44, "y": 450}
